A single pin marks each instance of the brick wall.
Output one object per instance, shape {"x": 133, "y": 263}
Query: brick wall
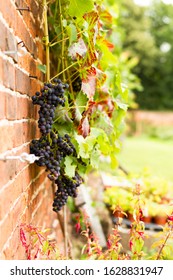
{"x": 25, "y": 191}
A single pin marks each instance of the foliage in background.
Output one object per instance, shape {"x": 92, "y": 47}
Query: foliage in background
{"x": 156, "y": 194}
{"x": 147, "y": 38}
{"x": 161, "y": 247}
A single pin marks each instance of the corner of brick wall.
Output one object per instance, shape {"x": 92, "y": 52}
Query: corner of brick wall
{"x": 25, "y": 192}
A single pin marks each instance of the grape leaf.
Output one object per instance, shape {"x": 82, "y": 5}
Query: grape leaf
{"x": 114, "y": 162}
{"x": 70, "y": 167}
{"x": 72, "y": 33}
{"x": 81, "y": 101}
{"x": 80, "y": 105}
{"x": 84, "y": 126}
{"x": 77, "y": 49}
{"x": 95, "y": 155}
{"x": 78, "y": 8}
{"x": 85, "y": 145}
{"x": 89, "y": 86}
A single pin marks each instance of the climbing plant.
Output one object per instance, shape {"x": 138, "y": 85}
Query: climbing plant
{"x": 82, "y": 102}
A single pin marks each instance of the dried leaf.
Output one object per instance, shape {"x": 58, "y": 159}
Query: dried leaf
{"x": 78, "y": 49}
{"x": 84, "y": 126}
{"x": 89, "y": 86}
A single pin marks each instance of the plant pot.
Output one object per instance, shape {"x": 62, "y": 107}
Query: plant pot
{"x": 130, "y": 217}
{"x": 146, "y": 219}
{"x": 118, "y": 214}
{"x": 160, "y": 220}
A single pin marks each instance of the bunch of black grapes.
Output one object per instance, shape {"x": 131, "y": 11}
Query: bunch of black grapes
{"x": 66, "y": 187}
{"x": 52, "y": 148}
{"x": 50, "y": 96}
{"x": 77, "y": 84}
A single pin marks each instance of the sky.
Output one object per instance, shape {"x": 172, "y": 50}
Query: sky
{"x": 147, "y": 2}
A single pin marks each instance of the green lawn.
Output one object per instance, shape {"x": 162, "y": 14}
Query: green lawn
{"x": 156, "y": 155}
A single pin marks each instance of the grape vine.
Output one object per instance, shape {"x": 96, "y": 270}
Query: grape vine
{"x": 80, "y": 119}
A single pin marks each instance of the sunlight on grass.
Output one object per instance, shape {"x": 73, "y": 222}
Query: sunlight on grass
{"x": 156, "y": 155}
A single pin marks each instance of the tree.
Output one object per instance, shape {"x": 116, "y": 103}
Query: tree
{"x": 147, "y": 36}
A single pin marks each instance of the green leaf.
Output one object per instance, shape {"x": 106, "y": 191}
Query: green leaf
{"x": 85, "y": 145}
{"x": 78, "y": 8}
{"x": 102, "y": 139}
{"x": 45, "y": 246}
{"x": 72, "y": 33}
{"x": 80, "y": 105}
{"x": 81, "y": 101}
{"x": 121, "y": 105}
{"x": 95, "y": 158}
{"x": 103, "y": 122}
{"x": 42, "y": 68}
{"x": 114, "y": 162}
{"x": 63, "y": 129}
{"x": 70, "y": 167}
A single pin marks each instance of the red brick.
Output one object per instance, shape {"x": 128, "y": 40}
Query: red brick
{"x": 13, "y": 191}
{"x": 11, "y": 106}
{"x": 22, "y": 81}
{"x": 1, "y": 70}
{"x": 8, "y": 170}
{"x": 3, "y": 105}
{"x": 6, "y": 136}
{"x": 11, "y": 45}
{"x": 6, "y": 229}
{"x": 4, "y": 32}
{"x": 8, "y": 74}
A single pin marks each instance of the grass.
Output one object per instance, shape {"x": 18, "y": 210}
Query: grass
{"x": 142, "y": 152}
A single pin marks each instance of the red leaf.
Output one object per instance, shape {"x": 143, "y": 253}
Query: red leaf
{"x": 84, "y": 126}
{"x": 77, "y": 227}
{"x": 23, "y": 237}
{"x": 91, "y": 18}
{"x": 108, "y": 44}
{"x": 92, "y": 71}
{"x": 88, "y": 86}
{"x": 78, "y": 49}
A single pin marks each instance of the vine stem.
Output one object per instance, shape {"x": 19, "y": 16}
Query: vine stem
{"x": 46, "y": 35}
{"x": 164, "y": 243}
{"x": 62, "y": 38}
{"x": 65, "y": 231}
{"x": 64, "y": 70}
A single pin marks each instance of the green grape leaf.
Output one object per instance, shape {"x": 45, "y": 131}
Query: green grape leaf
{"x": 42, "y": 68}
{"x": 45, "y": 246}
{"x": 80, "y": 105}
{"x": 103, "y": 122}
{"x": 94, "y": 160}
{"x": 63, "y": 129}
{"x": 62, "y": 115}
{"x": 78, "y": 8}
{"x": 85, "y": 145}
{"x": 72, "y": 33}
{"x": 70, "y": 166}
{"x": 102, "y": 139}
{"x": 121, "y": 105}
{"x": 114, "y": 161}
{"x": 81, "y": 101}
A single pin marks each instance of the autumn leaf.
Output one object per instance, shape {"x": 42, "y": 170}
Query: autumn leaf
{"x": 78, "y": 49}
{"x": 89, "y": 86}
{"x": 84, "y": 126}
{"x": 108, "y": 44}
